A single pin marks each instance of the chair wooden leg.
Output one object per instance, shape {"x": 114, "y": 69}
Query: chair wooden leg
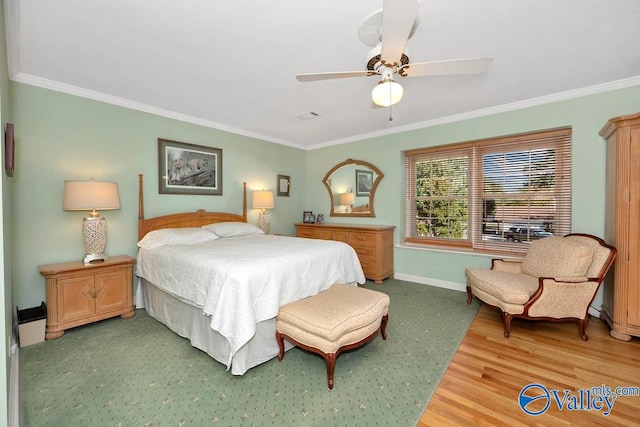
{"x": 506, "y": 319}
{"x": 280, "y": 340}
{"x": 330, "y": 359}
{"x": 383, "y": 326}
{"x": 582, "y": 328}
{"x": 469, "y": 295}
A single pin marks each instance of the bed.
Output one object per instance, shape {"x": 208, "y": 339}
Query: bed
{"x": 218, "y": 281}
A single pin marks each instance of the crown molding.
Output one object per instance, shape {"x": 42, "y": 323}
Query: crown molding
{"x": 547, "y": 99}
{"x": 542, "y": 100}
{"x": 138, "y": 106}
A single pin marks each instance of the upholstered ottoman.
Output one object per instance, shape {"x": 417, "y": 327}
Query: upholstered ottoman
{"x": 341, "y": 318}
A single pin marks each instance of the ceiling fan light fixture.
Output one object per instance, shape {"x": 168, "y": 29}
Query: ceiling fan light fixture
{"x": 387, "y": 92}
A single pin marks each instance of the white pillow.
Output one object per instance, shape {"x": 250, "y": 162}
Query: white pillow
{"x": 233, "y": 229}
{"x": 175, "y": 236}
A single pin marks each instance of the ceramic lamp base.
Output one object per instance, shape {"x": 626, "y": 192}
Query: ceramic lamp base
{"x": 94, "y": 237}
{"x": 263, "y": 222}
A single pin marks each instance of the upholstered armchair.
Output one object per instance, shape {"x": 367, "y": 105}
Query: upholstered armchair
{"x": 557, "y": 280}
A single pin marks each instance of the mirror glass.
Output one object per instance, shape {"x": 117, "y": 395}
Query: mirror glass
{"x": 352, "y": 185}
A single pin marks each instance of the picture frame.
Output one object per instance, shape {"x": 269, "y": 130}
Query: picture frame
{"x": 364, "y": 182}
{"x": 9, "y": 149}
{"x": 185, "y": 168}
{"x": 283, "y": 185}
{"x": 307, "y": 217}
{"x": 320, "y": 219}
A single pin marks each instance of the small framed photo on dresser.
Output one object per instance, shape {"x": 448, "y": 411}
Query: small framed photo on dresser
{"x": 307, "y": 217}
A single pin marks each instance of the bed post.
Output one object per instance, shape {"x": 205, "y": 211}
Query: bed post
{"x": 244, "y": 201}
{"x": 140, "y": 205}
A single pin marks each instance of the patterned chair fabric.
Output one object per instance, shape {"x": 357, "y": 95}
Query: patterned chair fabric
{"x": 557, "y": 280}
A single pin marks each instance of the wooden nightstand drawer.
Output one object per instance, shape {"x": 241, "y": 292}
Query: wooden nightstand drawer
{"x": 362, "y": 239}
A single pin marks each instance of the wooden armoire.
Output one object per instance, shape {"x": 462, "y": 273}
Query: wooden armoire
{"x": 621, "y": 306}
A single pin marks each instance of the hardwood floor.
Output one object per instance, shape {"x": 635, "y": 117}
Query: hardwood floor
{"x": 482, "y": 384}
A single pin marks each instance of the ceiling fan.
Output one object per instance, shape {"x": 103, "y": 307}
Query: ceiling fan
{"x": 388, "y": 31}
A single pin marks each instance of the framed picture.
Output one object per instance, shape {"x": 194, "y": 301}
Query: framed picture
{"x": 284, "y": 185}
{"x": 188, "y": 168}
{"x": 364, "y": 181}
{"x": 9, "y": 149}
{"x": 307, "y": 217}
{"x": 320, "y": 219}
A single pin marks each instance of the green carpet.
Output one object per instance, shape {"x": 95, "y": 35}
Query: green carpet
{"x": 136, "y": 372}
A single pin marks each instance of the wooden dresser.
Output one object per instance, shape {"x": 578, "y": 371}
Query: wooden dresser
{"x": 78, "y": 294}
{"x": 621, "y": 305}
{"x": 372, "y": 243}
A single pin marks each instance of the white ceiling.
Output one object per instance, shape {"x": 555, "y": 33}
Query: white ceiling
{"x": 231, "y": 65}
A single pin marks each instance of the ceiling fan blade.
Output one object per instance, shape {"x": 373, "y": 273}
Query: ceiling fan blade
{"x": 444, "y": 68}
{"x": 397, "y": 21}
{"x": 312, "y": 77}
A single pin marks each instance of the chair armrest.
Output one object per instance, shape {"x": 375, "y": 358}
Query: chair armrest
{"x": 508, "y": 265}
{"x": 569, "y": 297}
{"x": 569, "y": 279}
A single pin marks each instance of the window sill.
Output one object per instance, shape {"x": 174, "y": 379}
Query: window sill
{"x": 458, "y": 250}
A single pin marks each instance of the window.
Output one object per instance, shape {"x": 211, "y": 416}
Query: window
{"x": 495, "y": 195}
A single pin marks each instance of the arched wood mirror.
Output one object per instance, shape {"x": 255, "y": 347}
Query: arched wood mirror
{"x": 352, "y": 185}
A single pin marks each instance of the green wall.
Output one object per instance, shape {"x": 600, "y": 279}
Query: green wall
{"x": 6, "y": 256}
{"x": 585, "y": 115}
{"x": 62, "y": 137}
{"x": 66, "y": 137}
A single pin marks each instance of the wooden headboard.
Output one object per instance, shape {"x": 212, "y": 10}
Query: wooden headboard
{"x": 185, "y": 219}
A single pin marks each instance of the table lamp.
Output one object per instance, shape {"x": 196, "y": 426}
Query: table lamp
{"x": 263, "y": 199}
{"x": 347, "y": 200}
{"x": 90, "y": 196}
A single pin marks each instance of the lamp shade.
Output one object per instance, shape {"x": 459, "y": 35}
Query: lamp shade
{"x": 387, "y": 92}
{"x": 347, "y": 199}
{"x": 262, "y": 199}
{"x": 90, "y": 195}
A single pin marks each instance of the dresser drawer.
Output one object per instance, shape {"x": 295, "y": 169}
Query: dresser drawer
{"x": 307, "y": 232}
{"x": 340, "y": 236}
{"x": 325, "y": 234}
{"x": 362, "y": 239}
{"x": 368, "y": 267}
{"x": 372, "y": 244}
{"x": 365, "y": 253}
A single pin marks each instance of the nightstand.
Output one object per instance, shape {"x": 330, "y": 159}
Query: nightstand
{"x": 78, "y": 294}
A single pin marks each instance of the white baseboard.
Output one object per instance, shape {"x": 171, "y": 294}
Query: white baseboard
{"x": 462, "y": 287}
{"x": 431, "y": 282}
{"x": 14, "y": 383}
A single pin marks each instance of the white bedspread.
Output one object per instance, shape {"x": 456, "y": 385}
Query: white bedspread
{"x": 240, "y": 281}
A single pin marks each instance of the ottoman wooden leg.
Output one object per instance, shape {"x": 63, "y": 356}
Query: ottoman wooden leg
{"x": 330, "y": 358}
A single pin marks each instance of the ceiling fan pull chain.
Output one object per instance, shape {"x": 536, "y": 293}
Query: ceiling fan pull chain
{"x": 390, "y": 105}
